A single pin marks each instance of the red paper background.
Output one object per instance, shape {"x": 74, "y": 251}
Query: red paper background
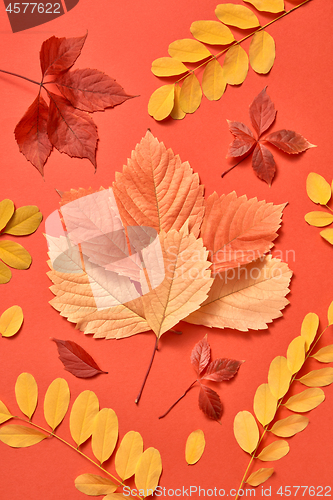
{"x": 123, "y": 39}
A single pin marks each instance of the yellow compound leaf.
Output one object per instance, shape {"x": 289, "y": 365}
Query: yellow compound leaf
{"x": 128, "y": 454}
{"x": 274, "y": 451}
{"x": 262, "y": 52}
{"x": 148, "y": 471}
{"x": 296, "y": 354}
{"x": 259, "y": 476}
{"x": 177, "y": 113}
{"x": 195, "y": 446}
{"x": 273, "y": 6}
{"x": 290, "y": 426}
{"x": 236, "y": 15}
{"x": 161, "y": 102}
{"x": 330, "y": 314}
{"x": 56, "y": 402}
{"x": 5, "y": 273}
{"x": 6, "y": 212}
{"x": 167, "y": 66}
{"x": 264, "y": 404}
{"x": 105, "y": 434}
{"x": 211, "y": 32}
{"x": 318, "y": 189}
{"x": 188, "y": 50}
{"x": 236, "y": 65}
{"x": 11, "y": 321}
{"x": 26, "y": 392}
{"x": 14, "y": 255}
{"x": 84, "y": 411}
{"x": 309, "y": 329}
{"x": 279, "y": 376}
{"x": 4, "y": 413}
{"x": 324, "y": 355}
{"x": 306, "y": 400}
{"x": 190, "y": 94}
{"x": 213, "y": 81}
{"x": 246, "y": 431}
{"x": 327, "y": 234}
{"x": 25, "y": 221}
{"x": 19, "y": 436}
{"x": 92, "y": 484}
{"x": 318, "y": 219}
{"x": 318, "y": 378}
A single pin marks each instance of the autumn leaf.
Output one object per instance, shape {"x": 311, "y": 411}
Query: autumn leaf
{"x": 319, "y": 191}
{"x": 76, "y": 360}
{"x": 210, "y": 403}
{"x": 200, "y": 355}
{"x": 11, "y": 321}
{"x": 59, "y": 54}
{"x": 195, "y": 446}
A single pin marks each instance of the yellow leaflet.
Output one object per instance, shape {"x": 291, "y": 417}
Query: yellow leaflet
{"x": 296, "y": 354}
{"x": 91, "y": 484}
{"x": 195, "y": 446}
{"x": 26, "y": 392}
{"x": 327, "y": 234}
{"x": 20, "y": 436}
{"x": 190, "y": 94}
{"x": 105, "y": 434}
{"x": 14, "y": 255}
{"x": 330, "y": 314}
{"x": 273, "y": 6}
{"x": 188, "y": 50}
{"x": 177, "y": 113}
{"x": 318, "y": 378}
{"x": 128, "y": 454}
{"x": 274, "y": 451}
{"x": 11, "y": 321}
{"x": 246, "y": 431}
{"x": 4, "y": 413}
{"x": 6, "y": 212}
{"x": 309, "y": 329}
{"x": 324, "y": 355}
{"x": 262, "y": 52}
{"x": 5, "y": 273}
{"x": 259, "y": 476}
{"x": 264, "y": 404}
{"x": 148, "y": 471}
{"x": 213, "y": 81}
{"x": 25, "y": 221}
{"x": 84, "y": 410}
{"x": 114, "y": 496}
{"x": 306, "y": 400}
{"x": 319, "y": 219}
{"x": 236, "y": 65}
{"x": 290, "y": 426}
{"x": 279, "y": 376}
{"x": 318, "y": 189}
{"x": 167, "y": 66}
{"x": 161, "y": 102}
{"x": 56, "y": 402}
{"x": 236, "y": 15}
{"x": 211, "y": 32}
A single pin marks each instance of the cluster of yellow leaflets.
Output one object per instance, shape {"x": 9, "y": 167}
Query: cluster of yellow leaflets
{"x": 319, "y": 191}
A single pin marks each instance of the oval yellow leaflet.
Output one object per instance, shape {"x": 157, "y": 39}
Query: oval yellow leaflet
{"x": 279, "y": 376}
{"x": 148, "y": 471}
{"x": 24, "y": 221}
{"x": 20, "y": 436}
{"x": 236, "y": 65}
{"x": 246, "y": 431}
{"x": 327, "y": 234}
{"x": 105, "y": 434}
{"x": 92, "y": 484}
{"x": 168, "y": 66}
{"x": 264, "y": 404}
{"x": 236, "y": 15}
{"x": 318, "y": 378}
{"x": 195, "y": 446}
{"x": 259, "y": 476}
{"x": 177, "y": 113}
{"x": 309, "y": 329}
{"x": 262, "y": 52}
{"x": 14, "y": 255}
{"x": 190, "y": 94}
{"x": 306, "y": 400}
{"x": 5, "y": 273}
{"x": 4, "y": 413}
{"x": 128, "y": 454}
{"x": 290, "y": 426}
{"x": 318, "y": 219}
{"x": 11, "y": 321}
{"x": 26, "y": 393}
{"x": 324, "y": 355}
{"x": 274, "y": 451}
{"x": 273, "y": 6}
{"x": 56, "y": 402}
{"x": 6, "y": 212}
{"x": 296, "y": 354}
{"x": 213, "y": 81}
{"x": 83, "y": 413}
{"x": 211, "y": 32}
{"x": 161, "y": 102}
{"x": 188, "y": 50}
{"x": 318, "y": 189}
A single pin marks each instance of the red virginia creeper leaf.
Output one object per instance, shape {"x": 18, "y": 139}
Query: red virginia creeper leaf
{"x": 244, "y": 140}
{"x": 263, "y": 163}
{"x": 222, "y": 369}
{"x": 262, "y": 112}
{"x": 289, "y": 141}
{"x": 200, "y": 355}
{"x": 59, "y": 54}
{"x": 76, "y": 360}
{"x": 210, "y": 403}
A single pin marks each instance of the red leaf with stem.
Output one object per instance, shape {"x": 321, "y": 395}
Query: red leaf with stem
{"x": 59, "y": 54}
{"x": 210, "y": 403}
{"x": 222, "y": 369}
{"x": 262, "y": 112}
{"x": 76, "y": 360}
{"x": 200, "y": 355}
{"x": 289, "y": 141}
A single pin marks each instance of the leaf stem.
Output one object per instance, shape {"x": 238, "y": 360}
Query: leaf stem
{"x": 146, "y": 376}
{"x": 179, "y": 399}
{"x": 240, "y": 161}
{"x": 40, "y": 84}
{"x": 329, "y": 208}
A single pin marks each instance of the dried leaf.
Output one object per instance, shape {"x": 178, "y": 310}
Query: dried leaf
{"x": 290, "y": 426}
{"x": 167, "y": 66}
{"x": 24, "y": 221}
{"x": 20, "y": 436}
{"x": 11, "y": 321}
{"x": 279, "y": 377}
{"x": 318, "y": 189}
{"x": 318, "y": 378}
{"x": 309, "y": 329}
{"x": 319, "y": 219}
{"x": 327, "y": 234}
{"x": 236, "y": 65}
{"x": 105, "y": 434}
{"x": 221, "y": 369}
{"x": 289, "y": 141}
{"x": 4, "y": 413}
{"x": 91, "y": 484}
{"x": 56, "y": 402}
{"x": 330, "y": 314}
{"x": 177, "y": 113}
{"x": 263, "y": 163}
{"x": 195, "y": 446}
{"x": 5, "y": 273}
{"x": 259, "y": 476}
{"x": 26, "y": 393}
{"x": 188, "y": 50}
{"x": 59, "y": 54}
{"x": 210, "y": 403}
{"x": 83, "y": 413}
{"x": 213, "y": 81}
{"x": 262, "y": 52}
{"x": 190, "y": 94}
{"x": 243, "y": 142}
{"x": 200, "y": 355}
{"x": 128, "y": 454}
{"x": 246, "y": 431}
{"x": 264, "y": 404}
{"x": 274, "y": 451}
{"x": 6, "y": 212}
{"x": 306, "y": 400}
{"x": 273, "y": 6}
{"x": 14, "y": 255}
{"x": 324, "y": 355}
{"x": 211, "y": 32}
{"x": 296, "y": 354}
{"x": 76, "y": 360}
{"x": 148, "y": 471}
{"x": 236, "y": 15}
{"x": 262, "y": 112}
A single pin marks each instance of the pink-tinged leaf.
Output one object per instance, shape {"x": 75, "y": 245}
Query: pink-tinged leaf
{"x": 59, "y": 54}
{"x": 210, "y": 403}
{"x": 76, "y": 360}
{"x": 263, "y": 163}
{"x": 222, "y": 369}
{"x": 244, "y": 140}
{"x": 262, "y": 112}
{"x": 200, "y": 355}
{"x": 71, "y": 130}
{"x": 289, "y": 141}
{"x": 31, "y": 134}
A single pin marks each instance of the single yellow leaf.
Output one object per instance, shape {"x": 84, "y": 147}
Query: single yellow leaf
{"x": 324, "y": 355}
{"x": 259, "y": 476}
{"x": 211, "y": 32}
{"x": 14, "y": 255}
{"x": 236, "y": 65}
{"x": 246, "y": 431}
{"x": 273, "y": 6}
{"x": 128, "y": 454}
{"x": 327, "y": 234}
{"x": 330, "y": 314}
{"x": 11, "y": 321}
{"x": 274, "y": 451}
{"x": 4, "y": 413}
{"x": 236, "y": 15}
{"x": 190, "y": 94}
{"x": 264, "y": 404}
{"x": 93, "y": 485}
{"x": 56, "y": 402}
{"x": 83, "y": 413}
{"x": 318, "y": 378}
{"x": 167, "y": 66}
{"x": 188, "y": 50}
{"x": 25, "y": 221}
{"x": 290, "y": 426}
{"x": 161, "y": 102}
{"x": 177, "y": 113}
{"x": 306, "y": 400}
{"x": 279, "y": 376}
{"x": 318, "y": 189}
{"x": 5, "y": 273}
{"x": 319, "y": 219}
{"x": 309, "y": 329}
{"x": 115, "y": 496}
{"x": 195, "y": 446}
{"x": 105, "y": 434}
{"x": 26, "y": 392}
{"x": 213, "y": 81}
{"x": 6, "y": 212}
{"x": 148, "y": 471}
{"x": 20, "y": 436}
{"x": 262, "y": 52}
{"x": 296, "y": 354}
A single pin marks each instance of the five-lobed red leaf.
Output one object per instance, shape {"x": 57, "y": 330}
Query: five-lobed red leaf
{"x": 59, "y": 54}
{"x": 210, "y": 403}
{"x": 263, "y": 163}
{"x": 289, "y": 141}
{"x": 222, "y": 369}
{"x": 244, "y": 140}
{"x": 262, "y": 112}
{"x": 76, "y": 360}
{"x": 200, "y": 355}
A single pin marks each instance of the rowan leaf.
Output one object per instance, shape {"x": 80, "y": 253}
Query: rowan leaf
{"x": 200, "y": 355}
{"x": 236, "y": 65}
{"x": 213, "y": 82}
{"x": 259, "y": 476}
{"x": 11, "y": 321}
{"x": 262, "y": 112}
{"x": 177, "y": 113}
{"x": 26, "y": 393}
{"x": 56, "y": 402}
{"x": 318, "y": 189}
{"x": 188, "y": 50}
{"x": 6, "y": 212}
{"x": 263, "y": 163}
{"x": 59, "y": 54}
{"x": 221, "y": 369}
{"x": 318, "y": 378}
{"x": 148, "y": 471}
{"x": 5, "y": 273}
{"x": 195, "y": 446}
{"x": 167, "y": 66}
{"x": 273, "y": 6}
{"x": 327, "y": 234}
{"x": 264, "y": 404}
{"x": 306, "y": 400}
{"x": 279, "y": 377}
{"x": 105, "y": 434}
{"x": 20, "y": 436}
{"x": 24, "y": 221}
{"x": 161, "y": 102}
{"x": 212, "y": 32}
{"x": 262, "y": 52}
{"x": 296, "y": 354}
{"x": 76, "y": 360}
{"x": 289, "y": 141}
{"x": 190, "y": 94}
{"x": 309, "y": 329}
{"x": 319, "y": 219}
{"x": 246, "y": 431}
{"x": 14, "y": 255}
{"x": 290, "y": 426}
{"x": 210, "y": 403}
{"x": 274, "y": 451}
{"x": 236, "y": 15}
{"x": 83, "y": 413}
{"x": 324, "y": 355}
{"x": 4, "y": 413}
{"x": 128, "y": 454}
{"x": 92, "y": 484}
{"x": 244, "y": 140}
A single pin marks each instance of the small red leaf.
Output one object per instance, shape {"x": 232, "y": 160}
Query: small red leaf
{"x": 262, "y": 112}
{"x": 244, "y": 139}
{"x": 59, "y": 54}
{"x": 289, "y": 141}
{"x": 210, "y": 403}
{"x": 222, "y": 369}
{"x": 200, "y": 355}
{"x": 76, "y": 360}
{"x": 263, "y": 163}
